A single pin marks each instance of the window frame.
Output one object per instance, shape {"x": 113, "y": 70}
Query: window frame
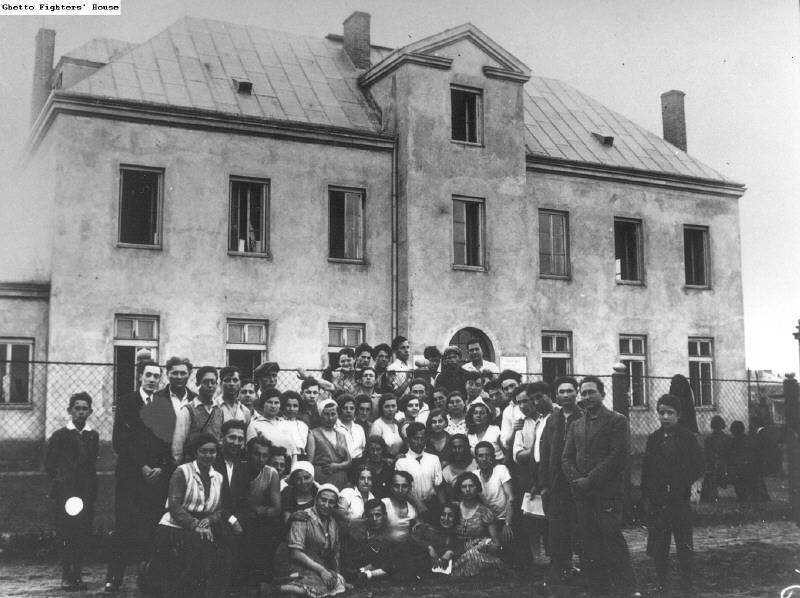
{"x": 565, "y": 219}
{"x": 262, "y": 348}
{"x": 332, "y": 350}
{"x": 553, "y": 354}
{"x": 159, "y": 219}
{"x": 477, "y": 93}
{"x": 265, "y": 217}
{"x": 151, "y": 344}
{"x": 704, "y": 230}
{"x": 5, "y": 367}
{"x": 699, "y": 389}
{"x": 481, "y": 203}
{"x": 627, "y": 358}
{"x": 363, "y": 228}
{"x": 640, "y": 270}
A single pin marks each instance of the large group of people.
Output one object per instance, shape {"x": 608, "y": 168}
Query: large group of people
{"x": 378, "y": 468}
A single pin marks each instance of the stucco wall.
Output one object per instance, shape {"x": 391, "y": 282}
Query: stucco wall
{"x": 192, "y": 284}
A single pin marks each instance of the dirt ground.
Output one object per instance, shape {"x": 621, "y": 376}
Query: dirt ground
{"x": 749, "y": 560}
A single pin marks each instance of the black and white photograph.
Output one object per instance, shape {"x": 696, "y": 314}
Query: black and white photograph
{"x": 360, "y": 298}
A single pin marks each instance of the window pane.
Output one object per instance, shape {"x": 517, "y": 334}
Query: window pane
{"x": 353, "y": 226}
{"x": 561, "y": 344}
{"x": 638, "y": 346}
{"x": 19, "y": 373}
{"x": 552, "y": 368}
{"x": 335, "y": 337}
{"x": 694, "y": 252}
{"x": 473, "y": 233}
{"x": 705, "y": 348}
{"x": 139, "y": 207}
{"x": 627, "y": 250}
{"x": 255, "y": 334}
{"x": 245, "y": 360}
{"x": 146, "y": 330}
{"x": 346, "y": 239}
{"x": 125, "y": 370}
{"x": 353, "y": 337}
{"x": 693, "y": 349}
{"x": 125, "y": 329}
{"x": 547, "y": 344}
{"x": 459, "y": 233}
{"x": 235, "y": 333}
{"x": 337, "y": 236}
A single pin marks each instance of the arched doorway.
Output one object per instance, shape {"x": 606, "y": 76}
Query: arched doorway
{"x": 463, "y": 336}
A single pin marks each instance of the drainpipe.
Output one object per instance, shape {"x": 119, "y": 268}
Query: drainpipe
{"x": 395, "y": 221}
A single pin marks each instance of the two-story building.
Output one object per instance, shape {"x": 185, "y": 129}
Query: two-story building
{"x": 232, "y": 193}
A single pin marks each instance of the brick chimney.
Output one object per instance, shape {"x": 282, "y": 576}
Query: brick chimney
{"x": 42, "y": 70}
{"x": 356, "y": 39}
{"x": 674, "y": 118}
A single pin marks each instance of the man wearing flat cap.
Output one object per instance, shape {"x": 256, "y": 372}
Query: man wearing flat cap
{"x": 267, "y": 375}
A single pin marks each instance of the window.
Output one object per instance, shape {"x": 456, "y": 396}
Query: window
{"x": 346, "y": 224}
{"x": 16, "y": 371}
{"x": 553, "y": 244}
{"x": 467, "y": 114}
{"x": 246, "y": 345}
{"x": 701, "y": 370}
{"x": 341, "y": 336}
{"x": 140, "y": 206}
{"x": 628, "y": 250}
{"x": 468, "y": 218}
{"x": 556, "y": 355}
{"x": 131, "y": 335}
{"x": 633, "y": 355}
{"x": 249, "y": 223}
{"x": 695, "y": 255}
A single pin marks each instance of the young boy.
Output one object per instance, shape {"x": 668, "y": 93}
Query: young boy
{"x": 70, "y": 462}
{"x": 672, "y": 462}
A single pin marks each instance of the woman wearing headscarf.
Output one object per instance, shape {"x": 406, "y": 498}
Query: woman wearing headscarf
{"x": 327, "y": 448}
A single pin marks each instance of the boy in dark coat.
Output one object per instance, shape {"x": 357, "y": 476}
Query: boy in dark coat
{"x": 70, "y": 462}
{"x": 672, "y": 462}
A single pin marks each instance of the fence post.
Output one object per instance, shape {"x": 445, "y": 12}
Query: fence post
{"x": 792, "y": 410}
{"x": 619, "y": 388}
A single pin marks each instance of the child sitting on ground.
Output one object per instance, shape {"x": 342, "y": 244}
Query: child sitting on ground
{"x": 673, "y": 461}
{"x": 70, "y": 462}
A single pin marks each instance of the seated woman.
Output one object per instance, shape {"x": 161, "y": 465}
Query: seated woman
{"x": 353, "y": 499}
{"x": 261, "y": 519}
{"x": 477, "y": 528}
{"x": 400, "y": 513}
{"x": 313, "y": 543}
{"x": 189, "y": 558}
{"x": 439, "y": 541}
{"x": 438, "y": 442}
{"x": 327, "y": 448}
{"x": 300, "y": 492}
{"x": 480, "y": 428}
{"x": 385, "y": 426}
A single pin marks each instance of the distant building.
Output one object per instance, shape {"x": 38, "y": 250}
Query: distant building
{"x": 231, "y": 193}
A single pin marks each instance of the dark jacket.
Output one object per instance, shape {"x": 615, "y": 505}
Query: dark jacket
{"x": 128, "y": 436}
{"x": 599, "y": 452}
{"x": 159, "y": 421}
{"x": 551, "y": 474}
{"x": 71, "y": 464}
{"x": 672, "y": 462}
{"x": 234, "y": 490}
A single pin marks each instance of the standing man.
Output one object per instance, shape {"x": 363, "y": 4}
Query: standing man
{"x": 400, "y": 369}
{"x": 234, "y": 487}
{"x": 363, "y": 355}
{"x": 383, "y": 355}
{"x": 232, "y": 407}
{"x": 594, "y": 461}
{"x": 557, "y": 496}
{"x": 201, "y": 415}
{"x": 512, "y": 418}
{"x": 267, "y": 375}
{"x": 132, "y": 475}
{"x": 451, "y": 376}
{"x": 429, "y": 366}
{"x": 476, "y": 362}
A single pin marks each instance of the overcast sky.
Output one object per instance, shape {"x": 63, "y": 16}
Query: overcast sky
{"x": 737, "y": 61}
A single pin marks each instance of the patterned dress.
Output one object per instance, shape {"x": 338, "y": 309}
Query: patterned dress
{"x": 319, "y": 541}
{"x": 474, "y": 532}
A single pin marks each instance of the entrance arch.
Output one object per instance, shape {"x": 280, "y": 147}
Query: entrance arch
{"x": 463, "y": 336}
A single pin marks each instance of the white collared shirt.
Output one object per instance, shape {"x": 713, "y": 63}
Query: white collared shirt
{"x": 178, "y": 402}
{"x": 538, "y": 438}
{"x": 86, "y": 427}
{"x": 146, "y": 398}
{"x": 355, "y": 437}
{"x": 425, "y": 469}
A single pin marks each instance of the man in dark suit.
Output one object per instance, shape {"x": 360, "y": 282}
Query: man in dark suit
{"x": 234, "y": 487}
{"x": 130, "y": 477}
{"x": 556, "y": 492}
{"x": 594, "y": 461}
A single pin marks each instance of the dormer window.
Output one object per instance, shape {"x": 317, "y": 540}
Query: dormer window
{"x": 467, "y": 114}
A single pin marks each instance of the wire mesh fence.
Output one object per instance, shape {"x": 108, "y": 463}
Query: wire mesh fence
{"x": 35, "y": 400}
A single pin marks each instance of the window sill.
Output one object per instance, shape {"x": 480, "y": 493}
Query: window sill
{"x": 16, "y": 406}
{"x": 263, "y": 256}
{"x": 341, "y": 260}
{"x": 697, "y": 287}
{"x": 566, "y": 278}
{"x": 137, "y": 246}
{"x": 467, "y": 143}
{"x": 469, "y": 268}
{"x": 630, "y": 283}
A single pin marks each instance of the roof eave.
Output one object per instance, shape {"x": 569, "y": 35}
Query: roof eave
{"x": 650, "y": 178}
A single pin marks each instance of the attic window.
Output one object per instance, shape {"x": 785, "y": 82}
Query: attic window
{"x": 604, "y": 139}
{"x": 467, "y": 114}
{"x": 243, "y": 86}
